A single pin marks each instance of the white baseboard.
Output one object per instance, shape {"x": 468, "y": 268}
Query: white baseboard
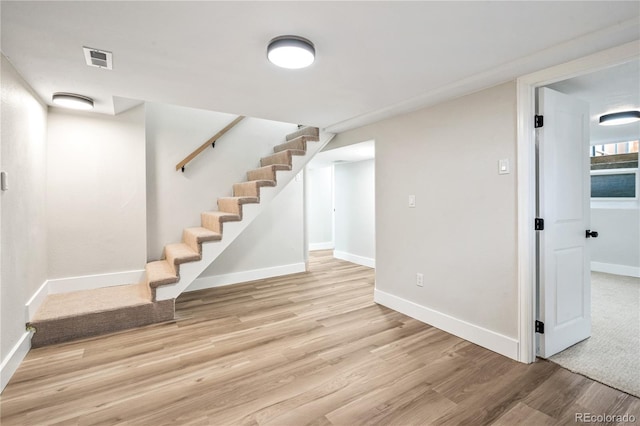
{"x": 612, "y": 268}
{"x": 212, "y": 281}
{"x": 36, "y": 300}
{"x": 491, "y": 340}
{"x": 90, "y": 282}
{"x": 354, "y": 258}
{"x": 11, "y": 363}
{"x": 321, "y": 246}
{"x": 86, "y": 282}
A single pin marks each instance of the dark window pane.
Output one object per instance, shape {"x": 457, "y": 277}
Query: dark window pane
{"x": 613, "y": 186}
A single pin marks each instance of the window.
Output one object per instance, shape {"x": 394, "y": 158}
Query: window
{"x": 614, "y": 183}
{"x": 614, "y": 148}
{"x": 614, "y": 172}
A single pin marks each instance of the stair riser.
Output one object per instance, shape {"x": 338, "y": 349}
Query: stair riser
{"x": 191, "y": 240}
{"x": 61, "y": 330}
{"x": 246, "y": 189}
{"x": 266, "y": 173}
{"x": 305, "y": 131}
{"x": 230, "y": 206}
{"x": 214, "y": 223}
{"x": 283, "y": 157}
{"x": 175, "y": 263}
{"x": 194, "y": 242}
{"x": 298, "y": 143}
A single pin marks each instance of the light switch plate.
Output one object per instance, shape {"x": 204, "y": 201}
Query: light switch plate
{"x": 503, "y": 166}
{"x": 412, "y": 201}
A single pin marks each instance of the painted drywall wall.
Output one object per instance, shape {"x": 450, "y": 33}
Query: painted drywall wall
{"x": 273, "y": 239}
{"x": 319, "y": 199}
{"x": 175, "y": 199}
{"x": 618, "y": 239}
{"x": 462, "y": 233}
{"x": 23, "y": 223}
{"x": 355, "y": 211}
{"x": 96, "y": 193}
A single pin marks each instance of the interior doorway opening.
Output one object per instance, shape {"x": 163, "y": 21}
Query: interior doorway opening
{"x": 340, "y": 202}
{"x": 614, "y": 204}
{"x": 624, "y": 56}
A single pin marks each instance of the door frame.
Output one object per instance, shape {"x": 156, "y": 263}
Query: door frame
{"x": 526, "y": 176}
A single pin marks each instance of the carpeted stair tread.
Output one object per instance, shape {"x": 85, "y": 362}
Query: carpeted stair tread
{"x": 266, "y": 172}
{"x": 195, "y": 236}
{"x": 234, "y": 204}
{"x": 65, "y": 305}
{"x": 160, "y": 273}
{"x": 282, "y": 157}
{"x": 305, "y": 131}
{"x": 251, "y": 188}
{"x": 179, "y": 253}
{"x": 299, "y": 143}
{"x": 213, "y": 220}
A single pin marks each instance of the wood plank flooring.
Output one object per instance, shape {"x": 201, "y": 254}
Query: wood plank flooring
{"x": 306, "y": 349}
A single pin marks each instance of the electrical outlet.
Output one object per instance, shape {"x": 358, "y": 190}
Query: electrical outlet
{"x": 419, "y": 279}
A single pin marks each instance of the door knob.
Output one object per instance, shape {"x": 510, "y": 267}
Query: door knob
{"x": 590, "y": 234}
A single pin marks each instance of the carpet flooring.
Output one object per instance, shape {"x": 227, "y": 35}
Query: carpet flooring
{"x": 612, "y": 354}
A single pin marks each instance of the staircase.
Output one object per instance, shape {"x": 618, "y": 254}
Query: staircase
{"x": 69, "y": 316}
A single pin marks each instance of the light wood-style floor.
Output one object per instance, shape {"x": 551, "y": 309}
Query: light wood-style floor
{"x": 310, "y": 348}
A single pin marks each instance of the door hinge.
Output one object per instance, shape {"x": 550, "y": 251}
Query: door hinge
{"x": 539, "y": 327}
{"x": 539, "y": 224}
{"x": 538, "y": 121}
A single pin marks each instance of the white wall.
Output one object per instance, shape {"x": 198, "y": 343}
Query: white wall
{"x": 617, "y": 248}
{"x": 462, "y": 233}
{"x": 96, "y": 193}
{"x": 175, "y": 199}
{"x": 273, "y": 243}
{"x": 320, "y": 208}
{"x": 355, "y": 212}
{"x": 23, "y": 224}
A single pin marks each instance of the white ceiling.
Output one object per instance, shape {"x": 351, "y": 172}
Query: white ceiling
{"x": 607, "y": 91}
{"x": 374, "y": 59}
{"x": 346, "y": 154}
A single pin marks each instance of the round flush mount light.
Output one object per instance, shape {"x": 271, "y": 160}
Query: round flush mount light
{"x": 291, "y": 52}
{"x": 618, "y": 118}
{"x": 73, "y": 101}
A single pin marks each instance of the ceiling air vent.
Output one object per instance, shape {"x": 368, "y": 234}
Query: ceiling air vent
{"x": 98, "y": 58}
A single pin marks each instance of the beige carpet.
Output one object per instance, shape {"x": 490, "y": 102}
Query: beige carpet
{"x": 612, "y": 354}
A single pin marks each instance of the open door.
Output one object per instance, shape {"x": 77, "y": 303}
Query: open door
{"x": 564, "y": 285}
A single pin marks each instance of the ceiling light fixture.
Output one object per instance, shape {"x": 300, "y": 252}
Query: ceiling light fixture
{"x": 291, "y": 52}
{"x": 73, "y": 101}
{"x": 618, "y": 118}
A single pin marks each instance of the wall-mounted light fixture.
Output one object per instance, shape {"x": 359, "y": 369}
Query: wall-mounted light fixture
{"x": 618, "y": 118}
{"x": 291, "y": 52}
{"x": 71, "y": 100}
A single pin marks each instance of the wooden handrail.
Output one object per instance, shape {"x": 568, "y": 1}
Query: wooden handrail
{"x": 211, "y": 141}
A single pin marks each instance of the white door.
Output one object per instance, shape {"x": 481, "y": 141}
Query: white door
{"x": 564, "y": 285}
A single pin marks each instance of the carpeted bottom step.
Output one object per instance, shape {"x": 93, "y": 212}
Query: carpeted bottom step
{"x": 70, "y": 316}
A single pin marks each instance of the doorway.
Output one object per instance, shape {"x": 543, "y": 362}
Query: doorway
{"x": 612, "y": 279}
{"x": 526, "y": 87}
{"x": 340, "y": 202}
{"x": 527, "y": 184}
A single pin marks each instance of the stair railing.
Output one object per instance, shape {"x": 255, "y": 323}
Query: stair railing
{"x": 212, "y": 141}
